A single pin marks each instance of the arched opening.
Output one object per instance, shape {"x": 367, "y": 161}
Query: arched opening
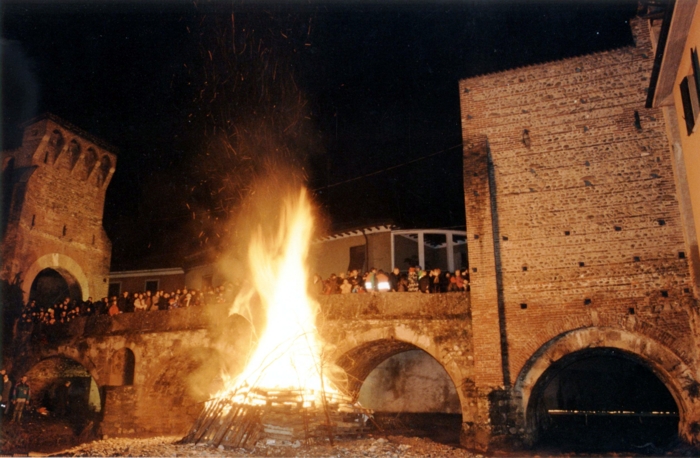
{"x": 89, "y": 163}
{"x": 105, "y": 166}
{"x": 74, "y": 153}
{"x": 123, "y": 364}
{"x": 63, "y": 389}
{"x": 602, "y": 400}
{"x": 55, "y": 145}
{"x": 410, "y": 392}
{"x": 51, "y": 286}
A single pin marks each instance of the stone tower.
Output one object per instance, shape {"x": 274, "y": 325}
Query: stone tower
{"x": 575, "y": 240}
{"x": 54, "y": 188}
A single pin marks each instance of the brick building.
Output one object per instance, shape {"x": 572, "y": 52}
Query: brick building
{"x": 54, "y": 188}
{"x": 575, "y": 235}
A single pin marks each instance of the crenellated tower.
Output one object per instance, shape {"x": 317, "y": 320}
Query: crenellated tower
{"x": 54, "y": 185}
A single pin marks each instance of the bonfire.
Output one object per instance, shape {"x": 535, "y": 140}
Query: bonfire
{"x": 284, "y": 395}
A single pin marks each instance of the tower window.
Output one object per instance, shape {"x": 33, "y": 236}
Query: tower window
{"x": 690, "y": 94}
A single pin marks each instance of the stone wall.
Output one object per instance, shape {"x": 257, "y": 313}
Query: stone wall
{"x": 572, "y": 216}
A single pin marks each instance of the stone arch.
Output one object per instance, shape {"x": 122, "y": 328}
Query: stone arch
{"x": 360, "y": 353}
{"x": 53, "y": 285}
{"x": 62, "y": 264}
{"x": 46, "y": 375}
{"x": 665, "y": 364}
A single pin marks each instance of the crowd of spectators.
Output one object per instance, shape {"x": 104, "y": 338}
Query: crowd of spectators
{"x": 67, "y": 309}
{"x": 376, "y": 280}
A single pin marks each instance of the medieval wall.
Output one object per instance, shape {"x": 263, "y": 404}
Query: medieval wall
{"x": 60, "y": 176}
{"x": 572, "y": 215}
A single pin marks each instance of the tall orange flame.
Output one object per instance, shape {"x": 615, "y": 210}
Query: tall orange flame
{"x": 288, "y": 355}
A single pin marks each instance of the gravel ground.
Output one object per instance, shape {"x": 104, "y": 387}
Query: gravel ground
{"x": 391, "y": 446}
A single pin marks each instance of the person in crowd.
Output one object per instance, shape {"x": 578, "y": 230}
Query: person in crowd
{"x": 6, "y": 390}
{"x": 402, "y": 286}
{"x": 394, "y": 277}
{"x": 148, "y": 300}
{"x": 382, "y": 280}
{"x": 331, "y": 285}
{"x": 423, "y": 281}
{"x": 445, "y": 278}
{"x": 371, "y": 280}
{"x": 139, "y": 303}
{"x": 114, "y": 307}
{"x": 345, "y": 287}
{"x": 458, "y": 280}
{"x": 155, "y": 299}
{"x": 20, "y": 398}
{"x": 412, "y": 280}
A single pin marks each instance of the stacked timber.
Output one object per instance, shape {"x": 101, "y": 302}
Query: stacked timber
{"x": 282, "y": 416}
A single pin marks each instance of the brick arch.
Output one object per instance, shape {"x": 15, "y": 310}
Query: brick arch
{"x": 61, "y": 263}
{"x": 664, "y": 363}
{"x": 360, "y": 353}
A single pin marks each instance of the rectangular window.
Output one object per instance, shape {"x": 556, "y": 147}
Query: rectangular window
{"x": 690, "y": 94}
{"x": 115, "y": 289}
{"x": 357, "y": 258}
{"x": 151, "y": 285}
{"x": 207, "y": 282}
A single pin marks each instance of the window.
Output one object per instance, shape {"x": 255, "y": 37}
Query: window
{"x": 114, "y": 289}
{"x": 690, "y": 94}
{"x": 207, "y": 282}
{"x": 357, "y": 258}
{"x": 151, "y": 285}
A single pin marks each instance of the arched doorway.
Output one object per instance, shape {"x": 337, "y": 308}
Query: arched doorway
{"x": 602, "y": 400}
{"x": 122, "y": 366}
{"x": 66, "y": 390}
{"x": 409, "y": 390}
{"x": 54, "y": 285}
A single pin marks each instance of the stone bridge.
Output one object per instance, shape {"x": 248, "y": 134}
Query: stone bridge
{"x": 154, "y": 370}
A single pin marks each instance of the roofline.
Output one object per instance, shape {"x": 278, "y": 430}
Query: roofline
{"x": 382, "y": 229}
{"x": 147, "y": 273}
{"x": 660, "y": 48}
{"x": 72, "y": 127}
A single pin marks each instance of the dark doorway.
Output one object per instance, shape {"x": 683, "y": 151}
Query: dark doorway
{"x": 65, "y": 389}
{"x": 602, "y": 400}
{"x": 410, "y": 392}
{"x": 51, "y": 286}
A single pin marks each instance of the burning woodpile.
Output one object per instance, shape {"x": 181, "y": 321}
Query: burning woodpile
{"x": 284, "y": 395}
{"x": 283, "y": 419}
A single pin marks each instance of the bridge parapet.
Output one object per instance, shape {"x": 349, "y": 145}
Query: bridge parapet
{"x": 392, "y": 306}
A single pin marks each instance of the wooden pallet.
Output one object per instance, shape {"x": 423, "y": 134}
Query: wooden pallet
{"x": 286, "y": 416}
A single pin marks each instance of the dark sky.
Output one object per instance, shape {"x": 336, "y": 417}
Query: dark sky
{"x": 379, "y": 82}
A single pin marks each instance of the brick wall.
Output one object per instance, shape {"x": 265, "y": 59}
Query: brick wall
{"x": 572, "y": 215}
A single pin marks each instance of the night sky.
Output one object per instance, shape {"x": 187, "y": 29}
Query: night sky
{"x": 362, "y": 98}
